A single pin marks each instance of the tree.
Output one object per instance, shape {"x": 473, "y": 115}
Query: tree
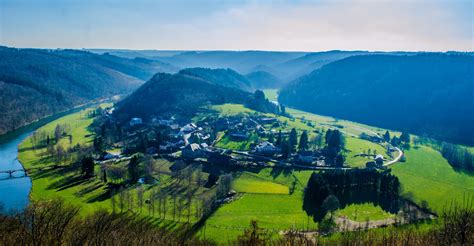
{"x": 282, "y": 109}
{"x": 405, "y": 137}
{"x": 57, "y": 133}
{"x": 285, "y": 148}
{"x": 334, "y": 140}
{"x": 303, "y": 145}
{"x": 140, "y": 193}
{"x": 104, "y": 176}
{"x": 340, "y": 159}
{"x": 330, "y": 204}
{"x": 133, "y": 171}
{"x": 386, "y": 136}
{"x": 254, "y": 235}
{"x": 395, "y": 141}
{"x": 293, "y": 140}
{"x": 279, "y": 139}
{"x": 271, "y": 138}
{"x": 87, "y": 167}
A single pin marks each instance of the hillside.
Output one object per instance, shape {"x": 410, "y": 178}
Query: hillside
{"x": 179, "y": 93}
{"x": 264, "y": 80}
{"x": 426, "y": 94}
{"x": 35, "y": 83}
{"x": 285, "y": 66}
{"x": 223, "y": 77}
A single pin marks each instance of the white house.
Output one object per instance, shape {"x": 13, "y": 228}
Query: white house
{"x": 136, "y": 121}
{"x": 266, "y": 148}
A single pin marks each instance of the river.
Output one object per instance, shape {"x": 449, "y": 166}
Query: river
{"x": 14, "y": 192}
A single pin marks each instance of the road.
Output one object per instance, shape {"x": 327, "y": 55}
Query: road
{"x": 400, "y": 154}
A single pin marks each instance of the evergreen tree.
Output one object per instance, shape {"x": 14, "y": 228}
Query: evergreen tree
{"x": 271, "y": 138}
{"x": 133, "y": 171}
{"x": 104, "y": 176}
{"x": 395, "y": 141}
{"x": 293, "y": 141}
{"x": 340, "y": 159}
{"x": 386, "y": 136}
{"x": 87, "y": 166}
{"x": 285, "y": 148}
{"x": 279, "y": 139}
{"x": 303, "y": 145}
{"x": 405, "y": 137}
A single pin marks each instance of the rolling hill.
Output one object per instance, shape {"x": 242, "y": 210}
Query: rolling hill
{"x": 181, "y": 93}
{"x": 35, "y": 83}
{"x": 427, "y": 94}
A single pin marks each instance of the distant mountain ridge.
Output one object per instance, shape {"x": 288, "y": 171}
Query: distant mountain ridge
{"x": 36, "y": 82}
{"x": 286, "y": 66}
{"x": 427, "y": 94}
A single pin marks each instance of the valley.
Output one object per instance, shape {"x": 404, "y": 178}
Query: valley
{"x": 270, "y": 194}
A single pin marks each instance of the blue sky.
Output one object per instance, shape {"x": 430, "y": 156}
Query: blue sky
{"x": 430, "y": 25}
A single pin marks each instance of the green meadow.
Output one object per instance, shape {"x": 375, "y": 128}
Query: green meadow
{"x": 271, "y": 196}
{"x": 427, "y": 176}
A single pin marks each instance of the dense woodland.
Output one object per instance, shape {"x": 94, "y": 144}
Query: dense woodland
{"x": 185, "y": 92}
{"x": 426, "y": 94}
{"x": 460, "y": 158}
{"x": 328, "y": 191}
{"x": 35, "y": 83}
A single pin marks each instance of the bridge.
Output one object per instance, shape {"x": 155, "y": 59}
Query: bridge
{"x": 12, "y": 171}
{"x": 26, "y": 171}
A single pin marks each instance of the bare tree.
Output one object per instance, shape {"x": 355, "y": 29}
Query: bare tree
{"x": 140, "y": 192}
{"x": 122, "y": 197}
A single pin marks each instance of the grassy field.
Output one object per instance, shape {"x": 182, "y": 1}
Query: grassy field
{"x": 428, "y": 176}
{"x": 274, "y": 212}
{"x": 363, "y": 212}
{"x": 272, "y": 196}
{"x": 249, "y": 183}
{"x": 228, "y": 143}
{"x": 63, "y": 183}
{"x": 357, "y": 146}
{"x": 271, "y": 94}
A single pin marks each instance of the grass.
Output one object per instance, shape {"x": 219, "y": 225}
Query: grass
{"x": 63, "y": 183}
{"x": 249, "y": 183}
{"x": 362, "y": 212}
{"x": 228, "y": 143}
{"x": 231, "y": 109}
{"x": 428, "y": 176}
{"x": 356, "y": 146}
{"x": 275, "y": 212}
{"x": 271, "y": 94}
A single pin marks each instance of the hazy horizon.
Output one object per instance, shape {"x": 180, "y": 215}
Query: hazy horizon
{"x": 239, "y": 25}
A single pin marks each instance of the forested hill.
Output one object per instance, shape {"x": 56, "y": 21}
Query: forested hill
{"x": 427, "y": 94}
{"x": 35, "y": 83}
{"x": 179, "y": 93}
{"x": 224, "y": 77}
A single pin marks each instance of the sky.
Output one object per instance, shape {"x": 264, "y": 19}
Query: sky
{"x": 298, "y": 25}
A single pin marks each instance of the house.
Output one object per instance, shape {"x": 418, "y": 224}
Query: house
{"x": 189, "y": 128}
{"x": 239, "y": 135}
{"x": 192, "y": 151}
{"x": 306, "y": 157}
{"x": 379, "y": 159}
{"x": 198, "y": 137}
{"x": 111, "y": 155}
{"x": 136, "y": 121}
{"x": 266, "y": 148}
{"x": 267, "y": 120}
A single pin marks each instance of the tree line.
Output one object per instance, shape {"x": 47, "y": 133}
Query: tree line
{"x": 345, "y": 187}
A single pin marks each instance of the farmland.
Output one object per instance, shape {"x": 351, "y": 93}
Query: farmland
{"x": 270, "y": 195}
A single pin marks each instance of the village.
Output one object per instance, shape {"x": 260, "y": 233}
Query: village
{"x": 260, "y": 142}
